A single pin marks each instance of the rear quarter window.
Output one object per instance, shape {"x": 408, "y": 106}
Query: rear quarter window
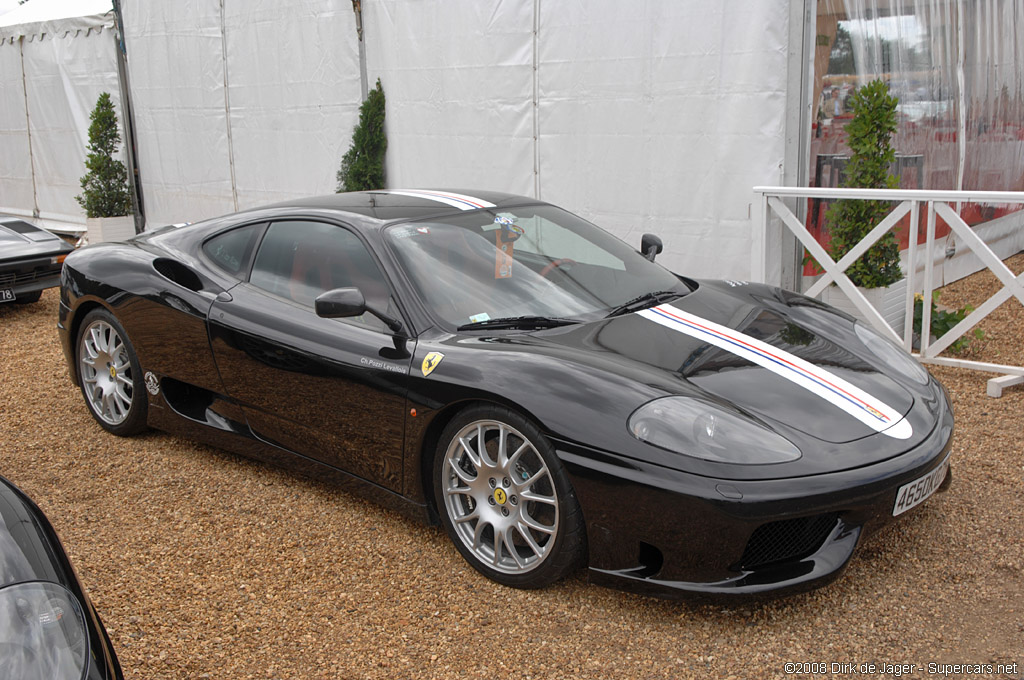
{"x": 232, "y": 250}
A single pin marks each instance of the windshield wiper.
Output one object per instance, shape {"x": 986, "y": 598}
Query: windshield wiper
{"x": 643, "y": 302}
{"x": 518, "y": 322}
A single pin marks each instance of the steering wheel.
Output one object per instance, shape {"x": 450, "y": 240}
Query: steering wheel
{"x": 551, "y": 266}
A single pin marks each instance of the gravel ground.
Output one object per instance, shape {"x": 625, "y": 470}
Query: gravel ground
{"x": 207, "y": 565}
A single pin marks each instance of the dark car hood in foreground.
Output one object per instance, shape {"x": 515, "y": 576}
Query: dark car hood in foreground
{"x": 611, "y": 367}
{"x": 33, "y": 562}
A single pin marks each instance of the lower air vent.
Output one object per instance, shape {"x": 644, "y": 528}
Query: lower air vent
{"x": 787, "y": 540}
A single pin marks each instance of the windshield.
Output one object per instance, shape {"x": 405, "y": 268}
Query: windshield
{"x": 534, "y": 261}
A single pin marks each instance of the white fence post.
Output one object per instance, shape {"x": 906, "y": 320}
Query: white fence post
{"x": 769, "y": 199}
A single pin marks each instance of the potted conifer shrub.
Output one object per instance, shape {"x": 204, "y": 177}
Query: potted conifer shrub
{"x": 877, "y": 273}
{"x": 362, "y": 167}
{"x": 105, "y": 196}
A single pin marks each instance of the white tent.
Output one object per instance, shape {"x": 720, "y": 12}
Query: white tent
{"x": 652, "y": 117}
{"x": 56, "y": 57}
{"x": 657, "y": 116}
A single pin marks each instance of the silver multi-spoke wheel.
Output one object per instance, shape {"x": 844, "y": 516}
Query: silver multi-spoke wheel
{"x": 106, "y": 372}
{"x": 500, "y": 497}
{"x": 109, "y": 374}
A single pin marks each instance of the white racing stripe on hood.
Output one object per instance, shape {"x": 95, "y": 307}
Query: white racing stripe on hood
{"x": 871, "y": 411}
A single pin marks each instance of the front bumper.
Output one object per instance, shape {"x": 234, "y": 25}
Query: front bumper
{"x": 672, "y": 534}
{"x": 29, "y": 276}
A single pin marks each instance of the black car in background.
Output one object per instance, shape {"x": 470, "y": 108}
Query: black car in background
{"x": 30, "y": 260}
{"x": 49, "y": 629}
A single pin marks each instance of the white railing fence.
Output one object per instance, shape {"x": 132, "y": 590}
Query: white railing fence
{"x": 771, "y": 200}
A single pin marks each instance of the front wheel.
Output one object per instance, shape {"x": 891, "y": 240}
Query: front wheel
{"x": 505, "y": 499}
{"x": 109, "y": 373}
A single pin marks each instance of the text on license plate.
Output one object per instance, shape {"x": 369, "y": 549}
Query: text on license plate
{"x": 6, "y": 295}
{"x": 918, "y": 490}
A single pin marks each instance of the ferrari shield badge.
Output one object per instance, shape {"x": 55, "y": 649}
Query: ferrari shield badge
{"x": 430, "y": 362}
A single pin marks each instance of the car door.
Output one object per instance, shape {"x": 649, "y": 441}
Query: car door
{"x": 329, "y": 389}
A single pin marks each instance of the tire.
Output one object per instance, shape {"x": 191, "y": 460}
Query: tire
{"x": 507, "y": 506}
{"x": 28, "y": 298}
{"x": 110, "y": 376}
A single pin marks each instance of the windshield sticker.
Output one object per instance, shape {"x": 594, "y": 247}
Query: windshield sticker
{"x": 477, "y": 318}
{"x": 460, "y": 201}
{"x": 502, "y": 255}
{"x": 423, "y": 230}
{"x": 871, "y": 411}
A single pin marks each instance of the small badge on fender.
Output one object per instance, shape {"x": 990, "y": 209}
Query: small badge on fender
{"x": 152, "y": 384}
{"x": 430, "y": 362}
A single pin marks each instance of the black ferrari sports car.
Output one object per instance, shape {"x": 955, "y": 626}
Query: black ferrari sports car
{"x": 49, "y": 629}
{"x": 30, "y": 260}
{"x": 494, "y": 363}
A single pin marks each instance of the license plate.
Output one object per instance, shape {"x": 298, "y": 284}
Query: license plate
{"x": 915, "y": 493}
{"x": 6, "y": 295}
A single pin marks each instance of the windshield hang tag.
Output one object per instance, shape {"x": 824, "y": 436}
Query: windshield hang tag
{"x": 509, "y": 230}
{"x": 502, "y": 255}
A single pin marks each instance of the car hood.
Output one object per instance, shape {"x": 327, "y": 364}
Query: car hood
{"x": 745, "y": 346}
{"x": 16, "y": 246}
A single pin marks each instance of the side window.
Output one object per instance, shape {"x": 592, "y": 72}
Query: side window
{"x": 231, "y": 250}
{"x": 298, "y": 260}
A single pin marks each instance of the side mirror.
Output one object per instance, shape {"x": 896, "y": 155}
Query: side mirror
{"x": 342, "y": 303}
{"x": 650, "y": 246}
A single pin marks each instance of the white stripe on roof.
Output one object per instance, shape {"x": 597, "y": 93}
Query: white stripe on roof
{"x": 460, "y": 201}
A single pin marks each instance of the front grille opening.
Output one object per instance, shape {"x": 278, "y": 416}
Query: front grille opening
{"x": 786, "y": 540}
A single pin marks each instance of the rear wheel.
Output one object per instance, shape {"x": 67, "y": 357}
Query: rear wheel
{"x": 505, "y": 499}
{"x": 109, "y": 372}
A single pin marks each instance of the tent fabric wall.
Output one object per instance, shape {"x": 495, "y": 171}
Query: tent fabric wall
{"x": 288, "y": 86}
{"x": 66, "y": 66}
{"x": 459, "y": 81}
{"x": 176, "y": 71}
{"x": 655, "y": 116}
{"x": 295, "y": 95}
{"x": 660, "y": 117}
{"x": 16, "y": 193}
{"x": 65, "y": 76}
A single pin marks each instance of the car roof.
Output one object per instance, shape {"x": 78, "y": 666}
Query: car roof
{"x": 405, "y": 204}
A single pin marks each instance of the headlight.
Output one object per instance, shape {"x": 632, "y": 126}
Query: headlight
{"x": 891, "y": 355}
{"x": 42, "y": 632}
{"x": 699, "y": 429}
